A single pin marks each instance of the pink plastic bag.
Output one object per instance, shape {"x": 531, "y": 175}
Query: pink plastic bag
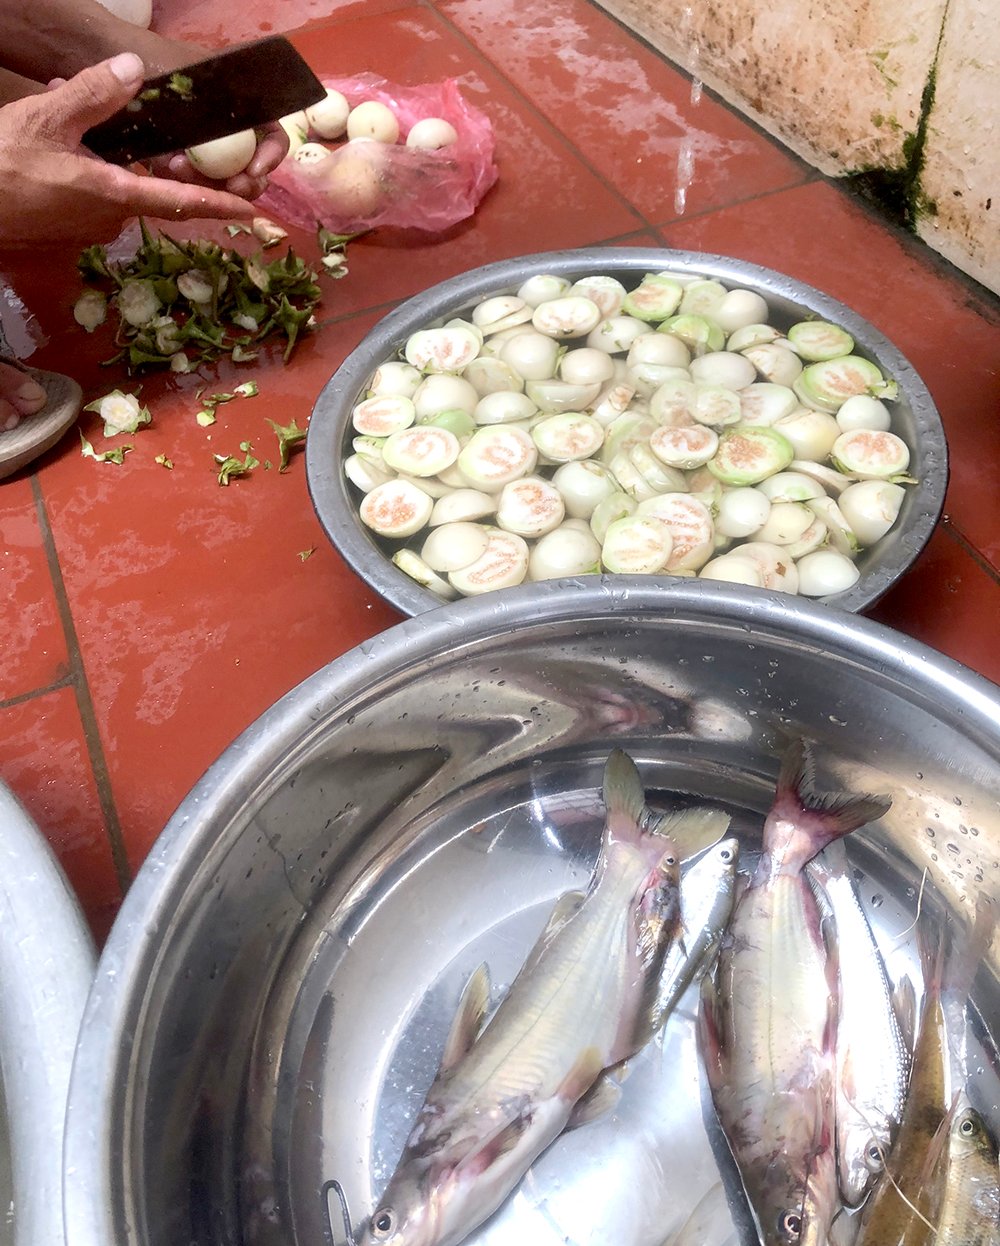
{"x": 363, "y": 185}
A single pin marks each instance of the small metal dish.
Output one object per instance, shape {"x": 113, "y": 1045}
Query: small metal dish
{"x": 915, "y": 417}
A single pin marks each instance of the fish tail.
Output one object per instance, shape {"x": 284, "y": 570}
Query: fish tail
{"x": 810, "y": 820}
{"x": 933, "y": 953}
{"x": 624, "y": 797}
{"x": 692, "y": 830}
{"x": 963, "y": 950}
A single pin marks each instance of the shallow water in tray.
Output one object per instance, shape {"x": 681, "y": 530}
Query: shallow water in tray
{"x": 378, "y": 990}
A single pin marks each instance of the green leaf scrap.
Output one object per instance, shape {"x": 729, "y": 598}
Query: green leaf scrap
{"x": 181, "y": 85}
{"x": 213, "y": 302}
{"x": 229, "y": 466}
{"x": 115, "y": 455}
{"x": 289, "y": 436}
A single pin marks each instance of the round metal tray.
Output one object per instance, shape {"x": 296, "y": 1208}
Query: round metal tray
{"x": 271, "y": 1004}
{"x": 915, "y": 417}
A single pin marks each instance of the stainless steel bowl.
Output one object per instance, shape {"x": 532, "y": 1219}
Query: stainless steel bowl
{"x": 271, "y": 1003}
{"x": 915, "y": 417}
{"x": 47, "y": 959}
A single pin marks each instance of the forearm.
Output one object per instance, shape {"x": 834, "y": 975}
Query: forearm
{"x": 44, "y": 39}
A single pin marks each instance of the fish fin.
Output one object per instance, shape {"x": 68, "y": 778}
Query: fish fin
{"x": 502, "y": 1140}
{"x": 963, "y": 964}
{"x": 599, "y": 1100}
{"x": 709, "y": 1040}
{"x": 708, "y": 1217}
{"x": 589, "y": 1066}
{"x": 817, "y": 819}
{"x": 692, "y": 830}
{"x": 468, "y": 1022}
{"x": 563, "y": 910}
{"x": 844, "y": 1227}
{"x": 624, "y": 796}
{"x": 936, "y": 1147}
{"x": 904, "y": 1004}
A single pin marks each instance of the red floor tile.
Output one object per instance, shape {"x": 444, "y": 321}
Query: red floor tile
{"x": 627, "y": 111}
{"x": 44, "y": 762}
{"x": 546, "y": 198}
{"x": 33, "y": 652}
{"x": 949, "y": 602}
{"x": 215, "y": 27}
{"x": 193, "y": 606}
{"x": 200, "y": 611}
{"x": 949, "y": 334}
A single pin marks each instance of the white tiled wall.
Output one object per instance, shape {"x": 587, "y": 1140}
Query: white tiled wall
{"x": 845, "y": 84}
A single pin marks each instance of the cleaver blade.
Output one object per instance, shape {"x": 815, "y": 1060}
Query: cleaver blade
{"x": 239, "y": 89}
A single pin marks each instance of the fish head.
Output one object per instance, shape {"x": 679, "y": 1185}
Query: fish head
{"x": 797, "y": 1210}
{"x": 862, "y": 1160}
{"x": 969, "y": 1134}
{"x": 424, "y": 1205}
{"x": 406, "y": 1215}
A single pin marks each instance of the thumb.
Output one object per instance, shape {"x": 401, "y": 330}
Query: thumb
{"x": 91, "y": 96}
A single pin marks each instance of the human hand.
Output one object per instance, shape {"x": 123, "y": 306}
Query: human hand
{"x": 51, "y": 188}
{"x": 272, "y": 141}
{"x": 272, "y": 147}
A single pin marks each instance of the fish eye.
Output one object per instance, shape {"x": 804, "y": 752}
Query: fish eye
{"x": 874, "y": 1158}
{"x": 967, "y": 1127}
{"x": 726, "y": 854}
{"x": 790, "y": 1226}
{"x": 383, "y": 1222}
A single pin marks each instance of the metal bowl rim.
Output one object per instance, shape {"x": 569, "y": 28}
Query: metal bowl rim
{"x": 92, "y": 1154}
{"x": 328, "y": 488}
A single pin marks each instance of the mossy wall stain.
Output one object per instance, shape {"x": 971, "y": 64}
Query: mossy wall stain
{"x": 897, "y": 191}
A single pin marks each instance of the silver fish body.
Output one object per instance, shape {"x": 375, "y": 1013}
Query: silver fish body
{"x": 708, "y": 887}
{"x": 872, "y": 1055}
{"x": 969, "y": 1214}
{"x": 769, "y": 1019}
{"x": 582, "y": 1003}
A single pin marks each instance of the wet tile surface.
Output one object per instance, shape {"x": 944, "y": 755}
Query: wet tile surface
{"x": 666, "y": 146}
{"x": 190, "y": 608}
{"x": 45, "y": 764}
{"x": 33, "y": 652}
{"x": 950, "y": 601}
{"x": 206, "y": 603}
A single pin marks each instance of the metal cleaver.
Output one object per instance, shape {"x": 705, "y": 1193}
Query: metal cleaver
{"x": 236, "y": 90}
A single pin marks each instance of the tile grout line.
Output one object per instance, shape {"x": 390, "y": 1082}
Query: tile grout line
{"x": 963, "y": 542}
{"x": 84, "y": 701}
{"x": 987, "y": 298}
{"x": 760, "y": 196}
{"x": 383, "y": 309}
{"x": 808, "y": 173}
{"x": 717, "y": 98}
{"x": 534, "y": 110}
{"x": 57, "y": 686}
